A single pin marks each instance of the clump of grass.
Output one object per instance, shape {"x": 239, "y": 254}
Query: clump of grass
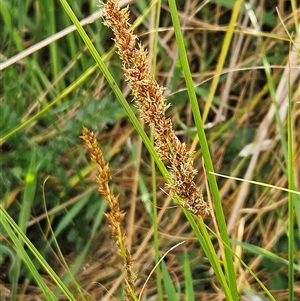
{"x": 257, "y": 218}
{"x": 151, "y": 104}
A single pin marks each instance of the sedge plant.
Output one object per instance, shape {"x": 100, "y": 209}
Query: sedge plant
{"x": 174, "y": 161}
{"x": 167, "y": 147}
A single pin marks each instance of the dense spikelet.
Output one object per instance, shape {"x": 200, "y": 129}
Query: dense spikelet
{"x": 115, "y": 216}
{"x": 151, "y": 104}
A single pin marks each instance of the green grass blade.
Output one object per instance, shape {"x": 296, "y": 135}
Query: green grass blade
{"x": 291, "y": 226}
{"x": 168, "y": 284}
{"x": 189, "y": 289}
{"x": 11, "y": 227}
{"x": 260, "y": 251}
{"x": 201, "y": 233}
{"x": 287, "y": 146}
{"x": 265, "y": 253}
{"x": 205, "y": 150}
{"x": 28, "y": 197}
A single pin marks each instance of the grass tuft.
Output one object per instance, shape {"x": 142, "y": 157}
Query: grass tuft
{"x": 229, "y": 110}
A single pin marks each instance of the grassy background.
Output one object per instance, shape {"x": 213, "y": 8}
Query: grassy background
{"x": 47, "y": 182}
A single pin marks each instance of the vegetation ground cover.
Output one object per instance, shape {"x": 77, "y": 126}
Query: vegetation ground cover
{"x": 247, "y": 88}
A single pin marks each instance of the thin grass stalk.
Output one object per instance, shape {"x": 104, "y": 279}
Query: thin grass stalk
{"x": 290, "y": 171}
{"x": 295, "y": 9}
{"x": 287, "y": 146}
{"x": 153, "y": 169}
{"x": 201, "y": 233}
{"x": 155, "y": 230}
{"x": 223, "y": 54}
{"x": 268, "y": 293}
{"x": 188, "y": 279}
{"x": 205, "y": 150}
{"x": 69, "y": 272}
{"x": 271, "y": 86}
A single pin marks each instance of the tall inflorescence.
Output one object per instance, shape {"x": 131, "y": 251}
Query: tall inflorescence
{"x": 151, "y": 104}
{"x": 115, "y": 216}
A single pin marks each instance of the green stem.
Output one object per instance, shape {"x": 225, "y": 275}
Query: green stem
{"x": 229, "y": 268}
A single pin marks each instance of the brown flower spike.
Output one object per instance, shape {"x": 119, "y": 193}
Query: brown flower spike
{"x": 115, "y": 216}
{"x": 148, "y": 97}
